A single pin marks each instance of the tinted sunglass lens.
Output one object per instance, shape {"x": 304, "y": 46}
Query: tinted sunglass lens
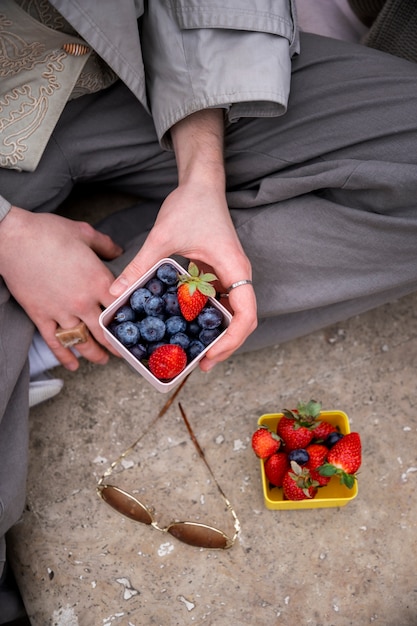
{"x": 199, "y": 535}
{"x": 125, "y": 504}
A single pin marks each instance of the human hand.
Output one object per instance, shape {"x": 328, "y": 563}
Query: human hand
{"x": 51, "y": 266}
{"x": 194, "y": 222}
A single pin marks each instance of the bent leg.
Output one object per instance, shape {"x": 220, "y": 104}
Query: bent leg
{"x": 71, "y": 157}
{"x": 324, "y": 198}
{"x": 14, "y": 382}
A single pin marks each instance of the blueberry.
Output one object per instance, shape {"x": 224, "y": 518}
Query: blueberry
{"x": 208, "y": 335}
{"x": 155, "y": 286}
{"x": 127, "y": 333}
{"x": 152, "y": 328}
{"x": 112, "y": 327}
{"x": 181, "y": 339}
{"x": 153, "y": 346}
{"x": 171, "y": 303}
{"x": 154, "y": 305}
{"x": 125, "y": 314}
{"x": 210, "y": 317}
{"x": 167, "y": 273}
{"x": 175, "y": 324}
{"x": 300, "y": 456}
{"x": 194, "y": 349}
{"x": 193, "y": 328}
{"x": 332, "y": 439}
{"x": 139, "y": 350}
{"x": 138, "y": 299}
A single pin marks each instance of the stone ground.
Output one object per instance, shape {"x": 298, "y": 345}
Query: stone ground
{"x": 81, "y": 564}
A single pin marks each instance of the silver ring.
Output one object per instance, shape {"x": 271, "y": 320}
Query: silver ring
{"x": 238, "y": 283}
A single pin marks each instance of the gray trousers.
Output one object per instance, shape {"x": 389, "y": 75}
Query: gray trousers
{"x": 324, "y": 200}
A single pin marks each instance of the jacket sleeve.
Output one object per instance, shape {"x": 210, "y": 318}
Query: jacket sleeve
{"x": 5, "y": 207}
{"x": 234, "y": 54}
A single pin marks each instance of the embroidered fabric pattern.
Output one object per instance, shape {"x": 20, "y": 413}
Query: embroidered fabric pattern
{"x": 37, "y": 78}
{"x": 23, "y": 101}
{"x": 41, "y": 68}
{"x": 96, "y": 74}
{"x": 44, "y": 12}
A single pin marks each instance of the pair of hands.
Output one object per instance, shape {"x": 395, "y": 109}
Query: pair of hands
{"x": 53, "y": 268}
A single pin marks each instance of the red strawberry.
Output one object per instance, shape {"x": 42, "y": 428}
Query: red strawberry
{"x": 298, "y": 484}
{"x": 323, "y": 429}
{"x": 167, "y": 361}
{"x": 321, "y": 481}
{"x": 293, "y": 435}
{"x": 193, "y": 291}
{"x": 296, "y": 427}
{"x": 344, "y": 459}
{"x": 317, "y": 453}
{"x": 265, "y": 442}
{"x": 276, "y": 467}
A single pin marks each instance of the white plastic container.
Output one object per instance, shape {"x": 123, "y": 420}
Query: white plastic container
{"x": 108, "y": 314}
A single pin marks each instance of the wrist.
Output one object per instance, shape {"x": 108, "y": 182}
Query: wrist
{"x": 13, "y": 230}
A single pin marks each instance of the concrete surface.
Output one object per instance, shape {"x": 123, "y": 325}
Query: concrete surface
{"x": 81, "y": 564}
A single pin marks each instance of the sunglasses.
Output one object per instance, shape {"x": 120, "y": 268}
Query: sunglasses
{"x": 191, "y": 533}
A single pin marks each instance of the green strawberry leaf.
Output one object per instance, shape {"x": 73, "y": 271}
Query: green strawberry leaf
{"x": 297, "y": 469}
{"x": 347, "y": 479}
{"x": 206, "y": 289}
{"x": 208, "y": 278}
{"x": 311, "y": 409}
{"x": 327, "y": 470}
{"x": 193, "y": 269}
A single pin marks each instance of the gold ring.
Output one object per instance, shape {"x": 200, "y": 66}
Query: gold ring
{"x": 69, "y": 337}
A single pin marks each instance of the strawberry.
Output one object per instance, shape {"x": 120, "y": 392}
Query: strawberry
{"x": 276, "y": 467}
{"x": 265, "y": 442}
{"x": 317, "y": 453}
{"x": 167, "y": 361}
{"x": 344, "y": 459}
{"x": 322, "y": 430}
{"x": 293, "y": 435}
{"x": 298, "y": 484}
{"x": 321, "y": 481}
{"x": 297, "y": 426}
{"x": 194, "y": 290}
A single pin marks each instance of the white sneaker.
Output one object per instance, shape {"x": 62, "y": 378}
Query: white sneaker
{"x": 44, "y": 389}
{"x": 41, "y": 358}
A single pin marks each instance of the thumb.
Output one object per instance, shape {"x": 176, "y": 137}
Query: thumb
{"x": 137, "y": 267}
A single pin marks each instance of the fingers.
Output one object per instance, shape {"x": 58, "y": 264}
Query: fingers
{"x": 89, "y": 349}
{"x": 244, "y": 322}
{"x": 147, "y": 256}
{"x": 102, "y": 244}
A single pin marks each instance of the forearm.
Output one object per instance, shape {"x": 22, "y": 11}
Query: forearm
{"x": 198, "y": 146}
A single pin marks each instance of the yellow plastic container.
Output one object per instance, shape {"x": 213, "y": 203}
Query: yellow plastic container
{"x": 333, "y": 494}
